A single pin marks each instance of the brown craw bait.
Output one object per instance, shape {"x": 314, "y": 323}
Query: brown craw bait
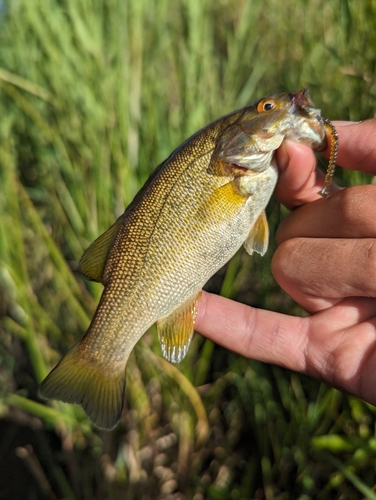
{"x": 332, "y": 159}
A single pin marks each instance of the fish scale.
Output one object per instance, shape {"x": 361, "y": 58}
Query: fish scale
{"x": 193, "y": 214}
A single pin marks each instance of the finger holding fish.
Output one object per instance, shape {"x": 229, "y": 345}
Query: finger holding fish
{"x": 362, "y": 137}
{"x": 333, "y": 240}
{"x": 318, "y": 272}
{"x": 300, "y": 180}
{"x": 328, "y": 252}
{"x": 336, "y": 345}
{"x": 352, "y": 215}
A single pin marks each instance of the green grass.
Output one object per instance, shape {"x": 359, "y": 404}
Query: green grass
{"x": 93, "y": 96}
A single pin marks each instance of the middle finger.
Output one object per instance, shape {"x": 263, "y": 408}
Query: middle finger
{"x": 319, "y": 272}
{"x": 350, "y": 213}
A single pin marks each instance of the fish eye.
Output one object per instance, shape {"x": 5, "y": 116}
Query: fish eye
{"x": 267, "y": 105}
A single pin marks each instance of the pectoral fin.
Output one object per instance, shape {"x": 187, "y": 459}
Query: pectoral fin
{"x": 225, "y": 201}
{"x": 95, "y": 257}
{"x": 258, "y": 238}
{"x": 176, "y": 330}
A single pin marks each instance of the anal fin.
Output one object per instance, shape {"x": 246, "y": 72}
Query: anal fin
{"x": 176, "y": 330}
{"x": 258, "y": 238}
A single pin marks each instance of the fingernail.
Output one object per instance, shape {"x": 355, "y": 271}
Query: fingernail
{"x": 344, "y": 123}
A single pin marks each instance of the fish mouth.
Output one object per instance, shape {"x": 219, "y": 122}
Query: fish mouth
{"x": 303, "y": 106}
{"x": 302, "y": 98}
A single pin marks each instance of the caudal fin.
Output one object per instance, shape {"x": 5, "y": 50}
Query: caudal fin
{"x": 77, "y": 380}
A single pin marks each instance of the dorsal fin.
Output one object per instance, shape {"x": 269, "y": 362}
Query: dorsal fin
{"x": 94, "y": 259}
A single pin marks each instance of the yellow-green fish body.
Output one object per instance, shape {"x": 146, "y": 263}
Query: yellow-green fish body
{"x": 192, "y": 215}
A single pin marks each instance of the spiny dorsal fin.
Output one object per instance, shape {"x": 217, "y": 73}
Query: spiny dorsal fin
{"x": 80, "y": 381}
{"x": 176, "y": 330}
{"x": 94, "y": 259}
{"x": 258, "y": 238}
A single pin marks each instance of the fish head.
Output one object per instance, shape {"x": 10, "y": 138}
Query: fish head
{"x": 251, "y": 140}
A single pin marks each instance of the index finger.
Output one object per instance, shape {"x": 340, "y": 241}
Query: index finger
{"x": 357, "y": 145}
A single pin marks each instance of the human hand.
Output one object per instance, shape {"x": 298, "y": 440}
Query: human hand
{"x": 326, "y": 261}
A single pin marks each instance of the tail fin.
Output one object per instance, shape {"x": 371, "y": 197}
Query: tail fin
{"x": 82, "y": 381}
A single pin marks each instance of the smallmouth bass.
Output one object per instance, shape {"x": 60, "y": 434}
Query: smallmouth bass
{"x": 192, "y": 215}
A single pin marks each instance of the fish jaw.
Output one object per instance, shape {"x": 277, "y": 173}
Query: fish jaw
{"x": 309, "y": 125}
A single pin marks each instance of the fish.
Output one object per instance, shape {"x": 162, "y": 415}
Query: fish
{"x": 195, "y": 211}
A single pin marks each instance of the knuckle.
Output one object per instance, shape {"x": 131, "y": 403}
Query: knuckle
{"x": 288, "y": 260}
{"x": 282, "y": 257}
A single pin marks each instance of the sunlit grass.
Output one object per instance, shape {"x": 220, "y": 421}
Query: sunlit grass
{"x": 93, "y": 96}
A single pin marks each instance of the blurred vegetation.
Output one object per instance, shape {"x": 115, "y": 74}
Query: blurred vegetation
{"x": 94, "y": 94}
